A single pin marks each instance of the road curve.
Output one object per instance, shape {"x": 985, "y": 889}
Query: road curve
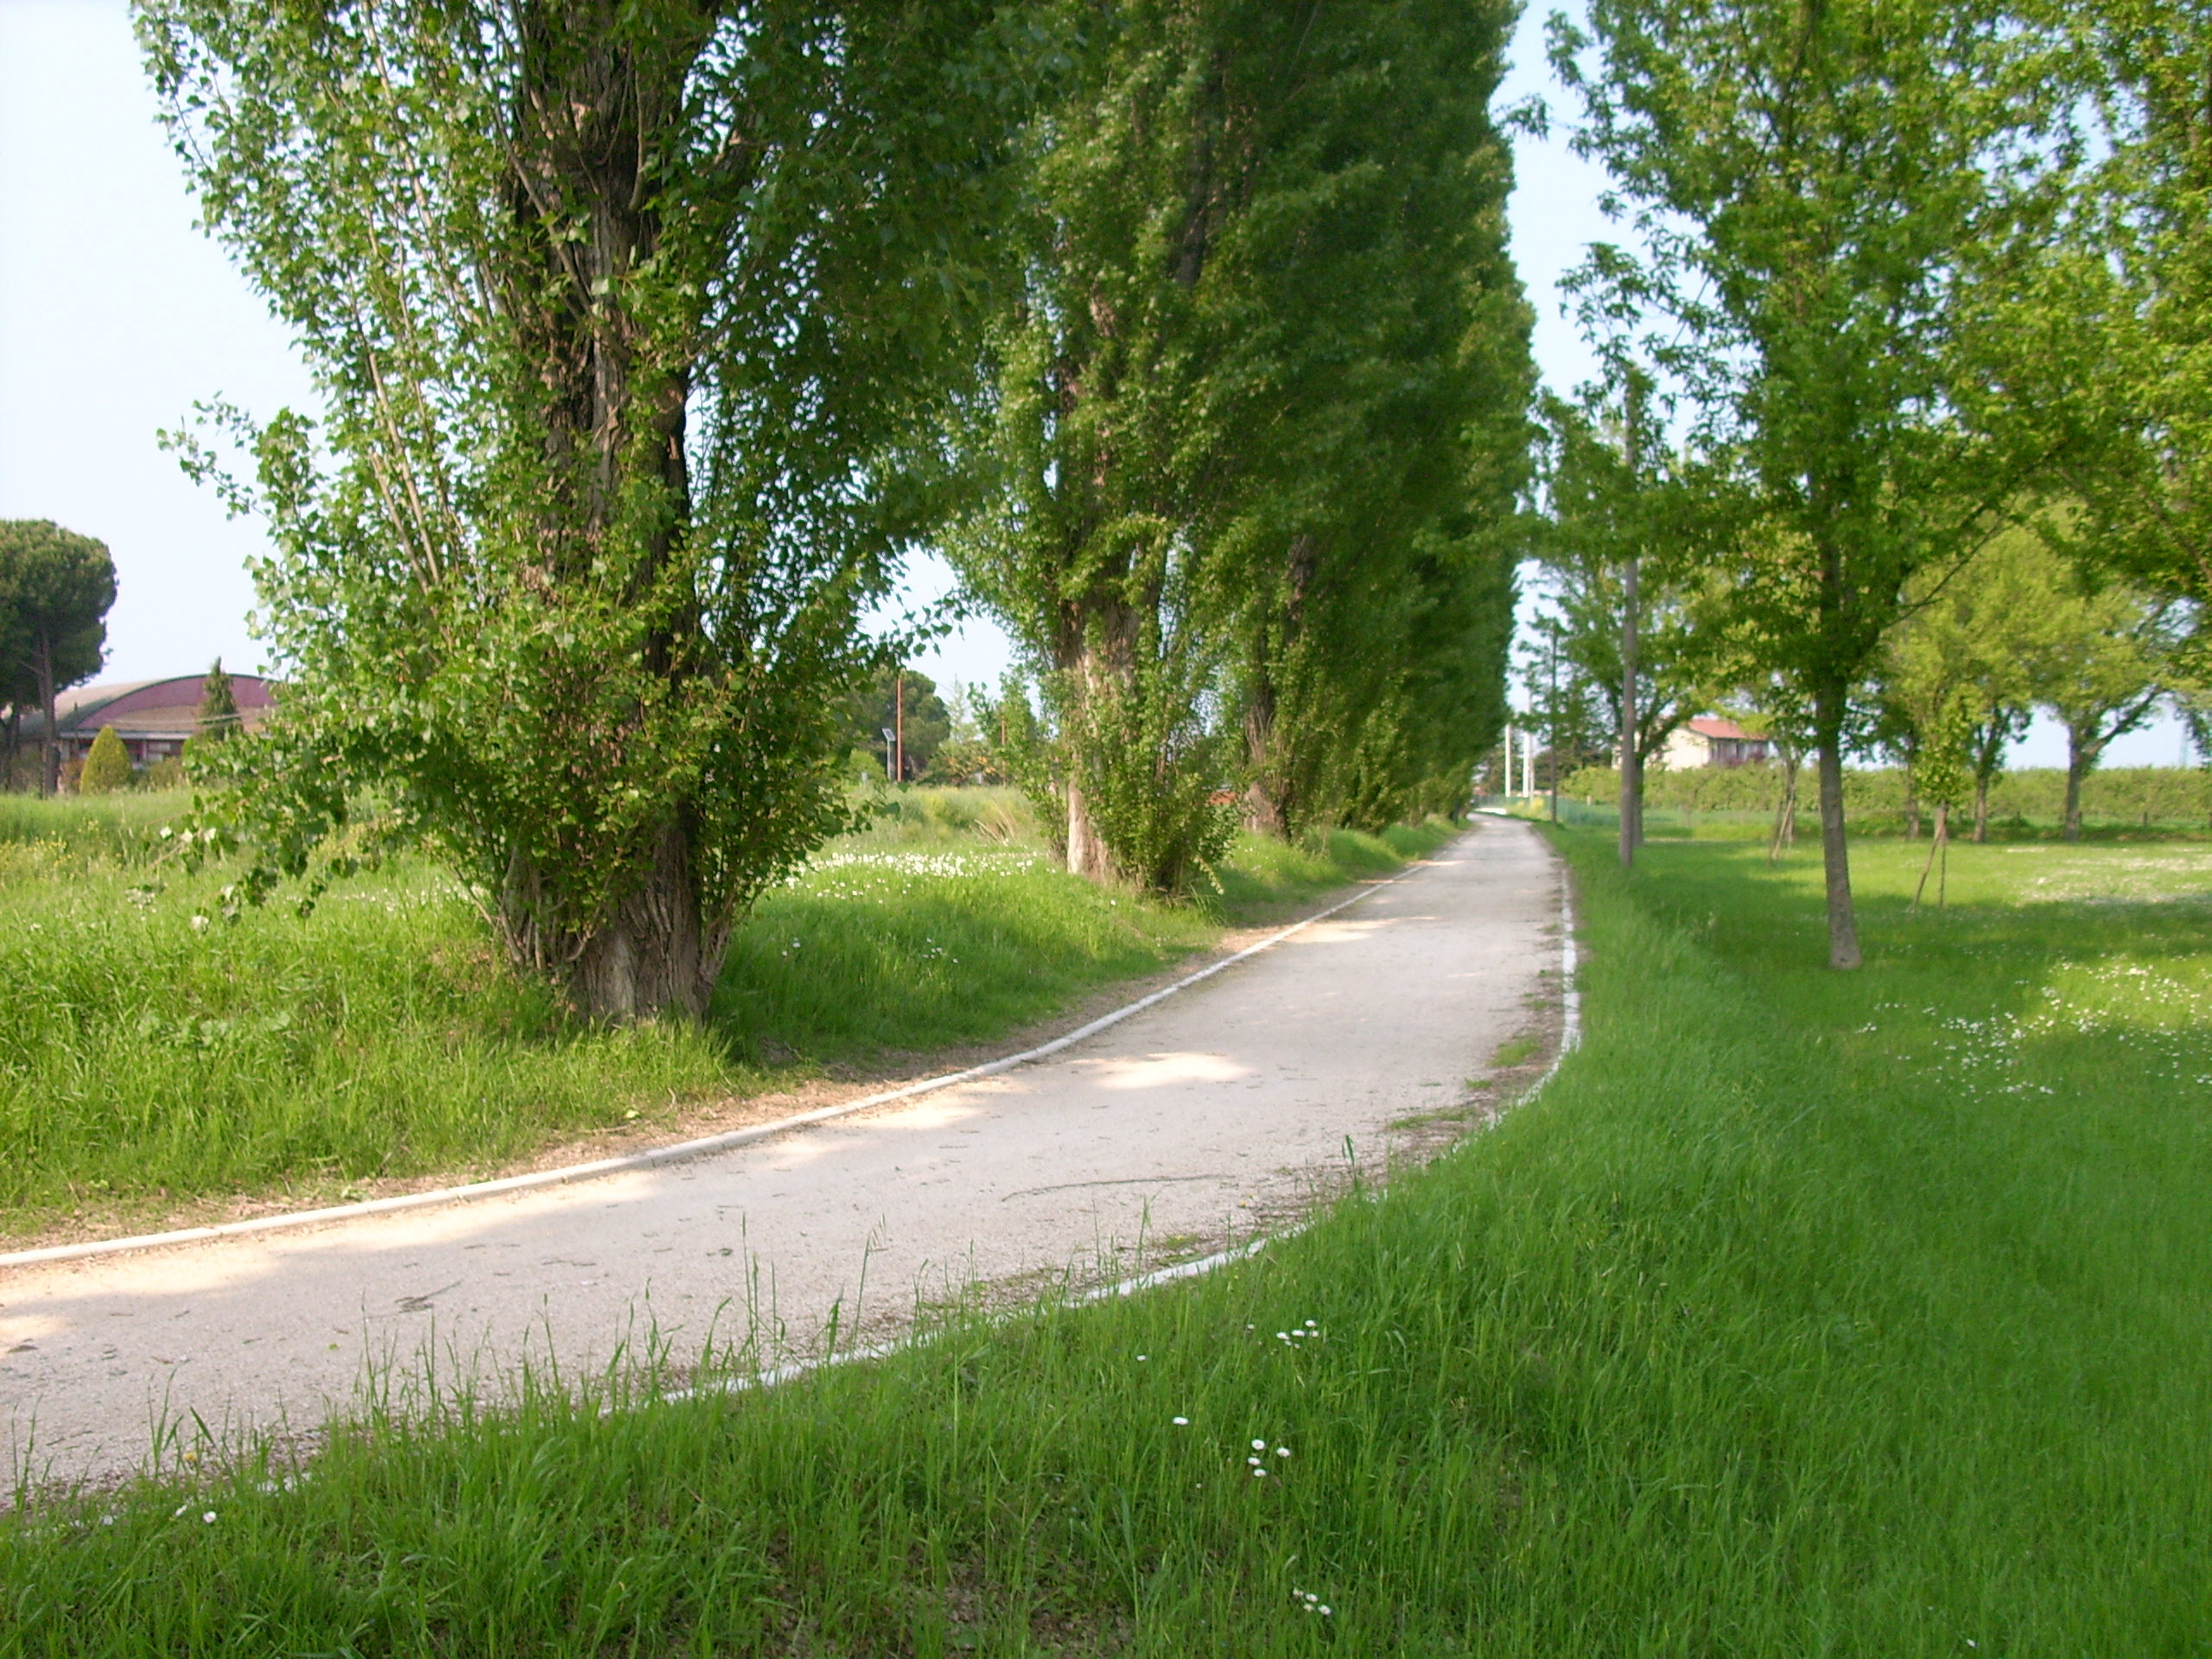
{"x": 1187, "y": 1122}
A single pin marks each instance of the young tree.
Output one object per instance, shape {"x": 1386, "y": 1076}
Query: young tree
{"x": 107, "y": 766}
{"x": 1627, "y": 625}
{"x": 625, "y": 318}
{"x": 2100, "y": 667}
{"x": 1972, "y": 634}
{"x": 1941, "y": 778}
{"x": 56, "y": 587}
{"x": 218, "y": 707}
{"x": 1816, "y": 187}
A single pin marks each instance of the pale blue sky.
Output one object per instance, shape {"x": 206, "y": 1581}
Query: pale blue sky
{"x": 116, "y": 315}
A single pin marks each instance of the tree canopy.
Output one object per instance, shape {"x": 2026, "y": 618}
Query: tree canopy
{"x": 1259, "y": 419}
{"x": 56, "y": 587}
{"x": 1821, "y": 192}
{"x": 625, "y": 319}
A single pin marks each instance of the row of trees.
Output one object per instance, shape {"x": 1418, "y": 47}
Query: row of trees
{"x": 56, "y": 587}
{"x": 650, "y": 335}
{"x": 1915, "y": 309}
{"x": 1977, "y": 649}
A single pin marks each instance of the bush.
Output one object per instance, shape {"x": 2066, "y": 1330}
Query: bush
{"x": 2142, "y": 796}
{"x": 107, "y": 768}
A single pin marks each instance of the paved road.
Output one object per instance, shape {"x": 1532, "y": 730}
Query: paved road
{"x": 1228, "y": 1102}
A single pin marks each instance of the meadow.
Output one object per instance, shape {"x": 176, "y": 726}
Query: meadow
{"x": 1800, "y": 1312}
{"x": 156, "y": 1060}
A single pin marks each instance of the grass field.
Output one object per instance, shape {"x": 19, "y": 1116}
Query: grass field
{"x": 151, "y": 1054}
{"x": 1802, "y": 1313}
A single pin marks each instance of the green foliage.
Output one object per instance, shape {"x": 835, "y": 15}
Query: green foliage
{"x": 2113, "y": 366}
{"x": 107, "y": 767}
{"x": 875, "y": 708}
{"x": 1258, "y": 415}
{"x": 218, "y": 707}
{"x": 1801, "y": 1314}
{"x": 2031, "y": 801}
{"x": 1608, "y": 498}
{"x": 623, "y": 321}
{"x": 56, "y": 590}
{"x": 1827, "y": 199}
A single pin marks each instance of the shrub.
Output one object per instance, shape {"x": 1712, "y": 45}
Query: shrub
{"x": 107, "y": 767}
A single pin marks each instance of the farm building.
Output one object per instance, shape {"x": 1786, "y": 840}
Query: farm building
{"x": 1710, "y": 741}
{"x": 152, "y": 717}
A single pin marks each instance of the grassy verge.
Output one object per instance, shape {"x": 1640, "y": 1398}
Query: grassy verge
{"x": 150, "y": 1054}
{"x": 1855, "y": 1315}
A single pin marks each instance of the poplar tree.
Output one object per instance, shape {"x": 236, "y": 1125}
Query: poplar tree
{"x": 1820, "y": 189}
{"x": 624, "y": 314}
{"x": 1249, "y": 418}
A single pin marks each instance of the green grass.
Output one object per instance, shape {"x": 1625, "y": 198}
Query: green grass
{"x": 1802, "y": 1313}
{"x": 152, "y": 1054}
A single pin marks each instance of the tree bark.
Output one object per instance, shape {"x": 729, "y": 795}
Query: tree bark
{"x": 1087, "y": 854}
{"x": 1835, "y": 852}
{"x": 49, "y": 754}
{"x": 652, "y": 955}
{"x": 1980, "y": 809}
{"x": 1097, "y": 662}
{"x": 1786, "y": 811}
{"x": 2080, "y": 755}
{"x": 1267, "y": 798}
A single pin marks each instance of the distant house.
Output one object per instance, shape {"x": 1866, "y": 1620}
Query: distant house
{"x": 1708, "y": 740}
{"x": 152, "y": 717}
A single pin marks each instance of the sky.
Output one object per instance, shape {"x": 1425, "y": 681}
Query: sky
{"x": 117, "y": 316}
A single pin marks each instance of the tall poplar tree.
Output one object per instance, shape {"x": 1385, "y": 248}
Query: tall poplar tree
{"x": 1249, "y": 416}
{"x": 1820, "y": 188}
{"x": 622, "y": 312}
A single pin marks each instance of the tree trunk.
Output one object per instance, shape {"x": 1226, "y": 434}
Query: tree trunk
{"x": 50, "y": 754}
{"x": 1267, "y": 799}
{"x": 1785, "y": 811}
{"x": 1836, "y": 853}
{"x": 2079, "y": 757}
{"x": 1911, "y": 807}
{"x": 1269, "y": 808}
{"x": 1087, "y": 854}
{"x": 651, "y": 954}
{"x": 600, "y": 92}
{"x": 1096, "y": 660}
{"x": 1980, "y": 809}
{"x": 1937, "y": 847}
{"x": 1631, "y": 751}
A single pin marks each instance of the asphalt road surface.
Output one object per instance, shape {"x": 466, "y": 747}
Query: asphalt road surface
{"x": 1213, "y": 1112}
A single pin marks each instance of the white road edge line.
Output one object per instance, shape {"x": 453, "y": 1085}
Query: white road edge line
{"x": 679, "y": 1151}
{"x": 1570, "y": 1039}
